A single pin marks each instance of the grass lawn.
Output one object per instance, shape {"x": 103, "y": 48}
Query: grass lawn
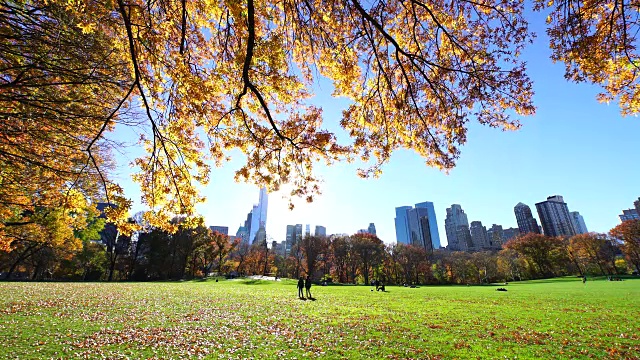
{"x": 559, "y": 318}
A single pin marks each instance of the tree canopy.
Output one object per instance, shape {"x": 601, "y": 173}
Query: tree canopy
{"x": 203, "y": 78}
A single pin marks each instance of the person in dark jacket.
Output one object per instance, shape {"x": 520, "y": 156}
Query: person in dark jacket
{"x": 307, "y": 285}
{"x": 300, "y": 287}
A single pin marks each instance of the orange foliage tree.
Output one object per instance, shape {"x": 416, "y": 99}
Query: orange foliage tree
{"x": 204, "y": 78}
{"x": 595, "y": 250}
{"x": 597, "y": 41}
{"x": 544, "y": 254}
{"x": 369, "y": 252}
{"x": 629, "y": 233}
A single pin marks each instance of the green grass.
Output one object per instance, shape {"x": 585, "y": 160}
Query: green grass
{"x": 559, "y": 318}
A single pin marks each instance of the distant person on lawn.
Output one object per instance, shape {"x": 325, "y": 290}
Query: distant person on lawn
{"x": 307, "y": 285}
{"x": 300, "y": 287}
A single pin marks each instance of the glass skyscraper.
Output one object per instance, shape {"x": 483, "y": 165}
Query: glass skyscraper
{"x": 417, "y": 226}
{"x": 258, "y": 215}
{"x": 433, "y": 224}
{"x": 402, "y": 225}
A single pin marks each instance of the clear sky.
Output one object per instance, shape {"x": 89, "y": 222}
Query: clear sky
{"x": 573, "y": 146}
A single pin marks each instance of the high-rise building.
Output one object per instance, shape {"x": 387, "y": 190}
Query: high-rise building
{"x": 371, "y": 229}
{"x": 417, "y": 226}
{"x": 291, "y": 234}
{"x": 526, "y": 222}
{"x": 495, "y": 236}
{"x": 479, "y": 235}
{"x": 307, "y": 230}
{"x": 433, "y": 223}
{"x": 247, "y": 228}
{"x": 630, "y": 214}
{"x": 555, "y": 218}
{"x": 258, "y": 216}
{"x": 279, "y": 248}
{"x": 298, "y": 232}
{"x": 261, "y": 236}
{"x": 402, "y": 227}
{"x": 510, "y": 233}
{"x": 456, "y": 225}
{"x": 243, "y": 234}
{"x": 221, "y": 229}
{"x": 321, "y": 231}
{"x": 578, "y": 223}
{"x": 294, "y": 235}
{"x": 637, "y": 205}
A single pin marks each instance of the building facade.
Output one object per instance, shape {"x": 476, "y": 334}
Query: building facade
{"x": 417, "y": 226}
{"x": 321, "y": 231}
{"x": 495, "y": 236}
{"x": 221, "y": 229}
{"x": 372, "y": 229}
{"x": 478, "y": 235}
{"x": 293, "y": 236}
{"x": 578, "y": 223}
{"x": 630, "y": 214}
{"x": 555, "y": 217}
{"x": 402, "y": 227}
{"x": 257, "y": 218}
{"x": 433, "y": 223}
{"x": 510, "y": 233}
{"x": 456, "y": 226}
{"x": 419, "y": 229}
{"x": 526, "y": 222}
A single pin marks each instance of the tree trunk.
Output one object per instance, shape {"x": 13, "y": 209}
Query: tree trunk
{"x": 112, "y": 264}
{"x": 30, "y": 250}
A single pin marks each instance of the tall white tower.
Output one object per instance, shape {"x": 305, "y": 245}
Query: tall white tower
{"x": 259, "y": 215}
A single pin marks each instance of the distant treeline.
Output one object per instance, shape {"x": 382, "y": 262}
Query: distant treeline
{"x": 198, "y": 252}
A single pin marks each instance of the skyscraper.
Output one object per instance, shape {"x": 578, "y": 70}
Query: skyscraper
{"x": 221, "y": 229}
{"x": 294, "y": 235}
{"x": 371, "y": 229}
{"x": 630, "y": 214}
{"x": 433, "y": 223}
{"x": 495, "y": 236}
{"x": 321, "y": 231}
{"x": 402, "y": 227}
{"x": 457, "y": 227}
{"x": 479, "y": 235}
{"x": 578, "y": 223}
{"x": 526, "y": 222}
{"x": 258, "y": 216}
{"x": 555, "y": 218}
{"x": 307, "y": 230}
{"x": 243, "y": 234}
{"x": 418, "y": 227}
{"x": 510, "y": 233}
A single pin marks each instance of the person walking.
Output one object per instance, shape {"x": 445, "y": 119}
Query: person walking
{"x": 300, "y": 287}
{"x": 307, "y": 286}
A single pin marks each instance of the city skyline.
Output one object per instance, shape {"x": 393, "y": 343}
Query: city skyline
{"x": 510, "y": 223}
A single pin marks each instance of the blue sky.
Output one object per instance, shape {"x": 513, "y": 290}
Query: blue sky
{"x": 573, "y": 146}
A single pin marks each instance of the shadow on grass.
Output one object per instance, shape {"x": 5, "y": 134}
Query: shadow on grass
{"x": 256, "y": 282}
{"x": 565, "y": 279}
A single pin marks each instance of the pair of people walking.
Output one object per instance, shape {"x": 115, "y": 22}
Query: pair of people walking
{"x": 306, "y": 284}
